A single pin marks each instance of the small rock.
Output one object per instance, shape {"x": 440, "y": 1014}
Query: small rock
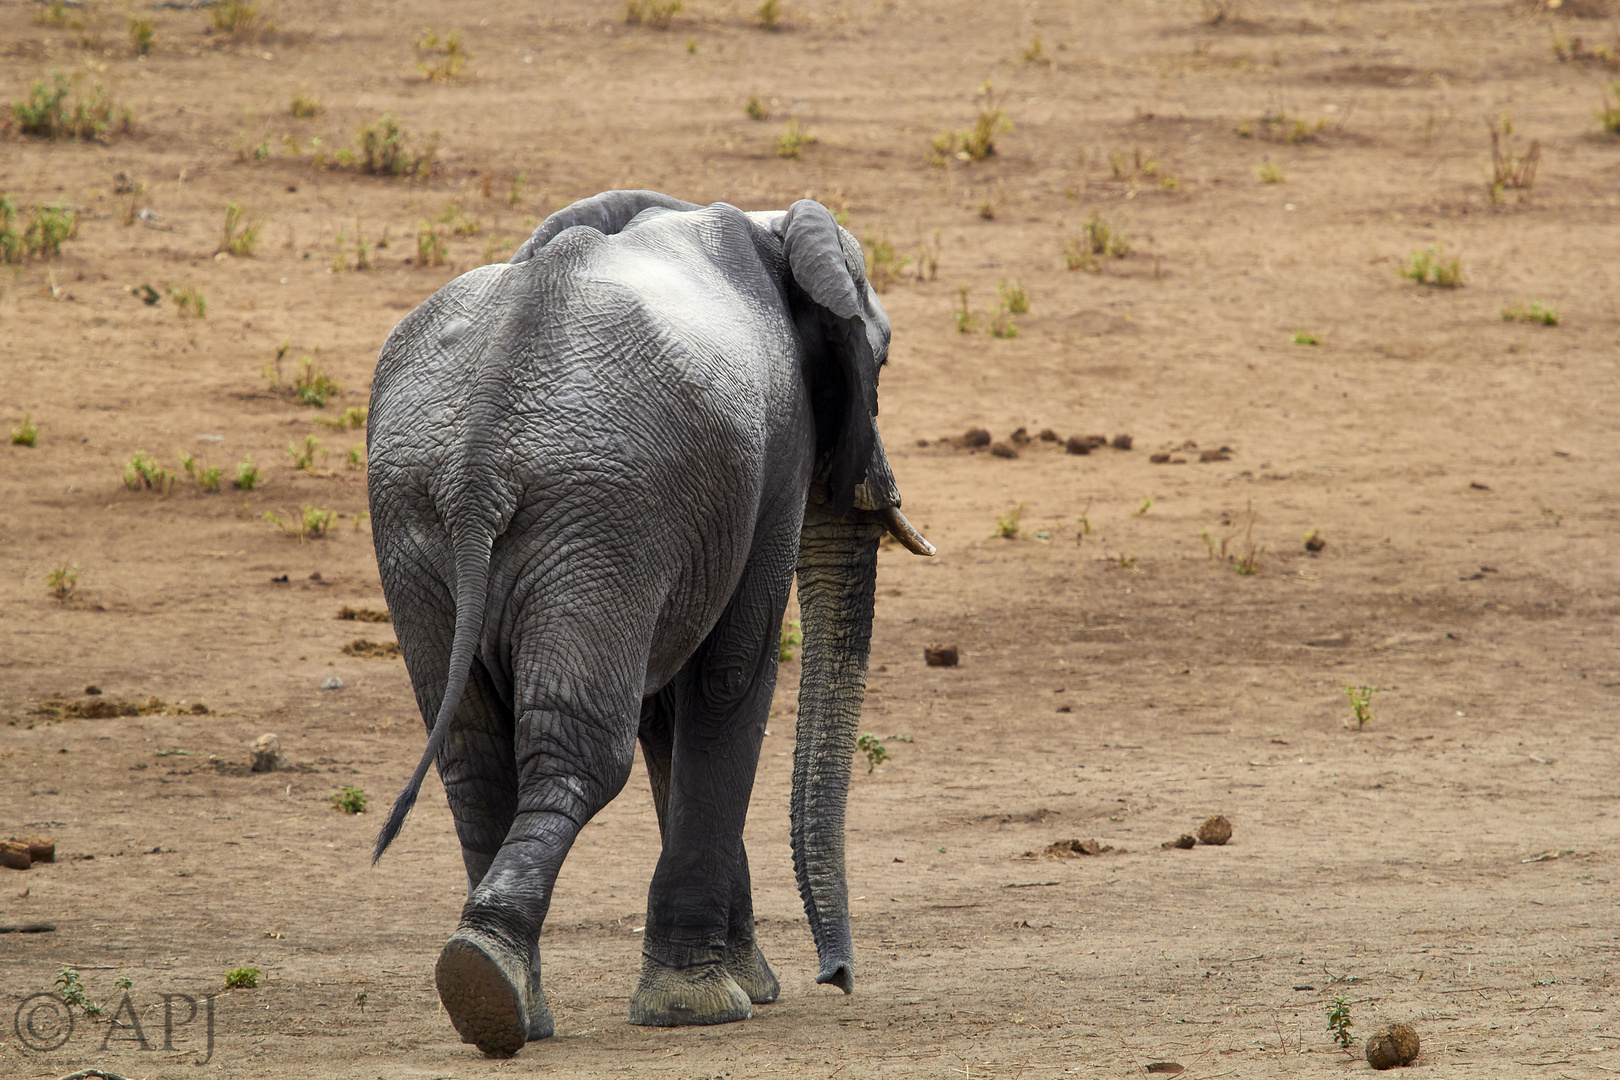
{"x": 1183, "y": 842}
{"x": 1069, "y": 849}
{"x": 1158, "y": 459}
{"x": 40, "y": 848}
{"x": 1048, "y": 435}
{"x": 940, "y": 655}
{"x": 14, "y": 856}
{"x": 971, "y": 439}
{"x": 1078, "y": 444}
{"x": 1020, "y": 437}
{"x": 92, "y": 690}
{"x": 267, "y": 755}
{"x": 1314, "y": 542}
{"x": 1122, "y": 442}
{"x": 1330, "y": 641}
{"x": 198, "y": 709}
{"x": 1216, "y": 830}
{"x": 1223, "y": 454}
{"x": 332, "y": 683}
{"x": 1395, "y": 1045}
{"x": 1003, "y": 450}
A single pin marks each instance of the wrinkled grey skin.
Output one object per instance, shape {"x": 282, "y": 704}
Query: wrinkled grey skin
{"x": 594, "y": 473}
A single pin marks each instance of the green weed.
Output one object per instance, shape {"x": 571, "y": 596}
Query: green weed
{"x": 1271, "y": 173}
{"x": 1104, "y": 239}
{"x": 1427, "y": 268}
{"x": 1007, "y": 525}
{"x": 188, "y": 301}
{"x": 1302, "y": 337}
{"x": 237, "y": 18}
{"x": 1536, "y": 312}
{"x": 927, "y": 259}
{"x": 757, "y": 108}
{"x": 870, "y": 745}
{"x": 1507, "y": 170}
{"x": 351, "y": 800}
{"x": 1001, "y": 323}
{"x": 515, "y": 195}
{"x": 311, "y": 523}
{"x": 769, "y": 13}
{"x": 143, "y": 473}
{"x": 792, "y": 635}
{"x": 352, "y": 417}
{"x": 1079, "y": 256}
{"x": 440, "y": 57}
{"x": 1339, "y": 1022}
{"x": 242, "y": 978}
{"x": 431, "y": 249}
{"x": 1360, "y": 703}
{"x": 657, "y": 14}
{"x": 142, "y": 32}
{"x": 883, "y": 265}
{"x": 25, "y": 433}
{"x": 41, "y": 236}
{"x": 46, "y": 113}
{"x": 311, "y": 385}
{"x": 792, "y": 141}
{"x": 1609, "y": 115}
{"x": 305, "y": 106}
{"x": 72, "y": 992}
{"x": 62, "y": 581}
{"x": 1035, "y": 54}
{"x": 384, "y": 150}
{"x": 206, "y": 477}
{"x": 1013, "y": 297}
{"x": 1282, "y": 128}
{"x": 247, "y": 475}
{"x": 303, "y": 454}
{"x": 357, "y": 456}
{"x": 237, "y": 237}
{"x": 965, "y": 323}
{"x": 1141, "y": 511}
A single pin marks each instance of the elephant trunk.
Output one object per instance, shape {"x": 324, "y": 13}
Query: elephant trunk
{"x": 837, "y": 578}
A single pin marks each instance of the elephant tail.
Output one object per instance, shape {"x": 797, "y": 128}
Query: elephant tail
{"x": 472, "y": 551}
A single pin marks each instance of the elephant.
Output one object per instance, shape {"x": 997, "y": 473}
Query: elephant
{"x": 594, "y": 473}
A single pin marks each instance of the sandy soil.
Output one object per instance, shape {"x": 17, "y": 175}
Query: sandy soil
{"x": 1449, "y": 865}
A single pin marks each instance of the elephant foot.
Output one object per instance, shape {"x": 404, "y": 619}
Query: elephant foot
{"x": 676, "y": 997}
{"x": 747, "y": 967}
{"x": 493, "y": 998}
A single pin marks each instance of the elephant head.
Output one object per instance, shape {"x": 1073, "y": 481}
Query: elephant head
{"x": 853, "y": 501}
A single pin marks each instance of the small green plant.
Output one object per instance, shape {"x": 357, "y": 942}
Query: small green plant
{"x": 124, "y": 982}
{"x": 1007, "y": 525}
{"x": 1271, "y": 173}
{"x": 41, "y": 236}
{"x": 1248, "y": 563}
{"x": 237, "y": 237}
{"x": 792, "y": 635}
{"x": 310, "y": 524}
{"x": 515, "y": 195}
{"x": 1507, "y": 170}
{"x": 1339, "y": 1022}
{"x": 25, "y": 433}
{"x": 1141, "y": 511}
{"x": 384, "y": 151}
{"x": 205, "y": 477}
{"x": 62, "y": 581}
{"x": 303, "y": 455}
{"x": 1427, "y": 268}
{"x": 1536, "y": 312}
{"x": 1035, "y": 54}
{"x": 242, "y": 978}
{"x": 441, "y": 56}
{"x": 430, "y": 246}
{"x": 1001, "y": 323}
{"x": 143, "y": 473}
{"x": 1609, "y": 115}
{"x": 247, "y": 475}
{"x": 657, "y": 14}
{"x": 72, "y": 992}
{"x": 305, "y": 106}
{"x": 1304, "y": 337}
{"x": 351, "y": 800}
{"x": 1014, "y": 298}
{"x": 46, "y": 113}
{"x": 188, "y": 301}
{"x": 1360, "y": 703}
{"x": 964, "y": 318}
{"x": 757, "y": 108}
{"x": 1083, "y": 529}
{"x": 357, "y": 456}
{"x": 1104, "y": 239}
{"x": 1079, "y": 256}
{"x": 1126, "y": 562}
{"x": 237, "y": 18}
{"x": 141, "y": 34}
{"x": 311, "y": 385}
{"x": 792, "y": 141}
{"x": 883, "y": 265}
{"x": 870, "y": 745}
{"x": 1281, "y": 128}
{"x": 770, "y": 14}
{"x": 352, "y": 417}
{"x": 979, "y": 141}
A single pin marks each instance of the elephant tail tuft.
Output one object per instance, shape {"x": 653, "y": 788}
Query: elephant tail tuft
{"x": 472, "y": 590}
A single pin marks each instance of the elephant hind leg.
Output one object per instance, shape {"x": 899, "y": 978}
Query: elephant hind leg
{"x": 493, "y": 997}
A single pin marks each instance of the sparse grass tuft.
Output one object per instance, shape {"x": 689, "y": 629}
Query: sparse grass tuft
{"x": 757, "y": 108}
{"x": 357, "y": 456}
{"x": 352, "y": 417}
{"x": 247, "y": 475}
{"x": 46, "y": 113}
{"x": 792, "y": 141}
{"x": 965, "y": 323}
{"x": 430, "y": 246}
{"x": 303, "y": 454}
{"x": 792, "y": 635}
{"x": 311, "y": 523}
{"x": 883, "y": 265}
{"x": 1007, "y": 525}
{"x": 1536, "y": 312}
{"x": 1508, "y": 171}
{"x": 1281, "y": 128}
{"x": 770, "y": 15}
{"x": 206, "y": 477}
{"x": 142, "y": 32}
{"x": 188, "y": 301}
{"x": 237, "y": 18}
{"x": 41, "y": 236}
{"x": 1427, "y": 268}
{"x": 1302, "y": 337}
{"x": 25, "y": 433}
{"x": 440, "y": 57}
{"x": 1013, "y": 297}
{"x": 1271, "y": 173}
{"x": 143, "y": 473}
{"x": 657, "y": 14}
{"x": 1104, "y": 239}
{"x": 1035, "y": 54}
{"x": 237, "y": 237}
{"x": 62, "y": 581}
{"x": 305, "y": 106}
{"x": 1609, "y": 115}
{"x": 351, "y": 800}
{"x": 383, "y": 150}
{"x": 978, "y": 142}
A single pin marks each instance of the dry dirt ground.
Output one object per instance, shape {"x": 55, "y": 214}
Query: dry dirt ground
{"x": 1451, "y": 864}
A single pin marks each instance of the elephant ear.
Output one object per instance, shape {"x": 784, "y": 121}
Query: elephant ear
{"x": 607, "y": 213}
{"x": 822, "y": 268}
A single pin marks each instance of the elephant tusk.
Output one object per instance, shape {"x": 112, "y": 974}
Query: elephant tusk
{"x": 901, "y": 530}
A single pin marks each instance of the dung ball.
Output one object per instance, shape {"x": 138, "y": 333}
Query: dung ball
{"x": 1394, "y": 1045}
